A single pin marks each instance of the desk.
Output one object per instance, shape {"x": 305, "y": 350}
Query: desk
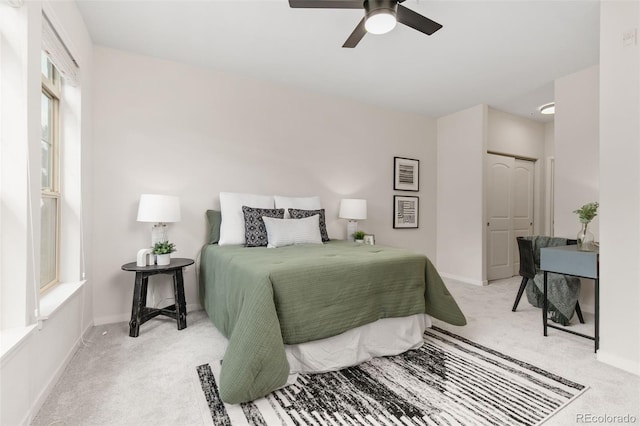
{"x": 568, "y": 260}
{"x": 140, "y": 313}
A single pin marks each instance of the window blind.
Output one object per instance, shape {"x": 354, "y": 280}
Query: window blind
{"x": 58, "y": 53}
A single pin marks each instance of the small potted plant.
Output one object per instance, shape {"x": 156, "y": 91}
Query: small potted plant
{"x": 586, "y": 214}
{"x": 163, "y": 250}
{"x": 359, "y": 236}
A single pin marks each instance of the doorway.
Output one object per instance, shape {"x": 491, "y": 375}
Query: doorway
{"x": 509, "y": 197}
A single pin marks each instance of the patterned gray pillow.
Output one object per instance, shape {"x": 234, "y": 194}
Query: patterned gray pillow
{"x": 301, "y": 214}
{"x": 254, "y": 230}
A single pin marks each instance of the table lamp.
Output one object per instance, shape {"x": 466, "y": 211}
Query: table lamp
{"x": 161, "y": 209}
{"x": 353, "y": 210}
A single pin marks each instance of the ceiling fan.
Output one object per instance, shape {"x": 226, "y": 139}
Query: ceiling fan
{"x": 380, "y": 16}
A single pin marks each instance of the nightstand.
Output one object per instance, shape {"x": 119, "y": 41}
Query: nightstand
{"x": 140, "y": 313}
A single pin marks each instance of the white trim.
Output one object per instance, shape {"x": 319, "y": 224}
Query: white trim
{"x": 55, "y": 298}
{"x": 12, "y": 339}
{"x": 464, "y": 280}
{"x": 58, "y": 52}
{"x": 616, "y": 361}
{"x": 549, "y": 197}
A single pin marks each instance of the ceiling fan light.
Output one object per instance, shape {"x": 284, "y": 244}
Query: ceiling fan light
{"x": 380, "y": 21}
{"x": 548, "y": 109}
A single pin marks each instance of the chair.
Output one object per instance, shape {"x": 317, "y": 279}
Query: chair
{"x": 529, "y": 269}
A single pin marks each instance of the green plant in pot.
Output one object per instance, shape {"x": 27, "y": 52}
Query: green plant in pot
{"x": 586, "y": 213}
{"x": 163, "y": 250}
{"x": 359, "y": 236}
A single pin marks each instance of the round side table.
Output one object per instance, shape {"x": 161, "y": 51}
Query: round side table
{"x": 140, "y": 313}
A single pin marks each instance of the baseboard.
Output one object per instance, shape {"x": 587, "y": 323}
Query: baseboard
{"x": 587, "y": 308}
{"x": 126, "y": 317}
{"x": 44, "y": 394}
{"x": 616, "y": 361}
{"x": 464, "y": 280}
{"x": 112, "y": 319}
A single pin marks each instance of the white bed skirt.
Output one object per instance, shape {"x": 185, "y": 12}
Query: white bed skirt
{"x": 385, "y": 337}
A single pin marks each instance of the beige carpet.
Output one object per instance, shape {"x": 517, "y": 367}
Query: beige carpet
{"x": 119, "y": 380}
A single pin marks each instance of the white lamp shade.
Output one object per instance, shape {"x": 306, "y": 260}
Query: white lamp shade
{"x": 159, "y": 208}
{"x": 354, "y": 209}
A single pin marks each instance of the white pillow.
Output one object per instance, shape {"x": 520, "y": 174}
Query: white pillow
{"x": 301, "y": 203}
{"x": 232, "y": 225}
{"x": 286, "y": 232}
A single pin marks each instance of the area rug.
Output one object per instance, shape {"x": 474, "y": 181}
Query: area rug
{"x": 450, "y": 380}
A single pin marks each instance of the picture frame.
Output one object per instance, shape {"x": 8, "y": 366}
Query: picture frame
{"x": 406, "y": 174}
{"x": 370, "y": 239}
{"x": 406, "y": 211}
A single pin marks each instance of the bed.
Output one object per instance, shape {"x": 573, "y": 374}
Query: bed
{"x": 265, "y": 300}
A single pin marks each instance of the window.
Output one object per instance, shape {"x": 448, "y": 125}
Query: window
{"x": 49, "y": 181}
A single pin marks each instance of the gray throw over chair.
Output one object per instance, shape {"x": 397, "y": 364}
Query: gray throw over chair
{"x": 529, "y": 268}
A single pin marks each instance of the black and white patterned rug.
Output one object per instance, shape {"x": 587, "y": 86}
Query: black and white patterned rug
{"x": 450, "y": 380}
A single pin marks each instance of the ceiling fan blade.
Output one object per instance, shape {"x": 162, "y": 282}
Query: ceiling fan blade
{"x": 356, "y": 35}
{"x": 327, "y": 4}
{"x": 416, "y": 21}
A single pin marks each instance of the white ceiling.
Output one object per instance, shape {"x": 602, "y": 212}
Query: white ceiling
{"x": 502, "y": 53}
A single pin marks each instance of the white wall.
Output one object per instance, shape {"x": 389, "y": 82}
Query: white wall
{"x": 515, "y": 135}
{"x": 576, "y": 149}
{"x": 620, "y": 187}
{"x": 17, "y": 40}
{"x": 576, "y": 146}
{"x": 460, "y": 205}
{"x": 30, "y": 368}
{"x": 164, "y": 127}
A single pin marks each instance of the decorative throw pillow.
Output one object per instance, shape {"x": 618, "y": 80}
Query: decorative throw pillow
{"x": 254, "y": 229}
{"x": 306, "y": 203}
{"x": 300, "y": 214}
{"x": 286, "y": 232}
{"x": 232, "y": 226}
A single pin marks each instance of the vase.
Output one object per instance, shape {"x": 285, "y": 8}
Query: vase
{"x": 163, "y": 259}
{"x": 585, "y": 238}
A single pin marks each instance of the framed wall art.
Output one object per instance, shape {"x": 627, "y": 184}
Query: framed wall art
{"x": 405, "y": 211}
{"x": 406, "y": 174}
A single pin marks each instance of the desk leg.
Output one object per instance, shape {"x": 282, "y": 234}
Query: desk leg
{"x": 181, "y": 304}
{"x": 136, "y": 308}
{"x": 597, "y": 315}
{"x": 544, "y": 306}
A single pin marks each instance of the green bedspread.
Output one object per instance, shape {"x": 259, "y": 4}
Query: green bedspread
{"x": 261, "y": 299}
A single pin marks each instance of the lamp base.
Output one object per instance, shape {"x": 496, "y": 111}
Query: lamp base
{"x": 352, "y": 227}
{"x": 159, "y": 233}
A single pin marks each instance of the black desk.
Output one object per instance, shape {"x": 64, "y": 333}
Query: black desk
{"x": 140, "y": 313}
{"x": 568, "y": 260}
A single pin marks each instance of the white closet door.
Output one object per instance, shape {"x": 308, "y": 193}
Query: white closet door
{"x": 509, "y": 197}
{"x": 522, "y": 212}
